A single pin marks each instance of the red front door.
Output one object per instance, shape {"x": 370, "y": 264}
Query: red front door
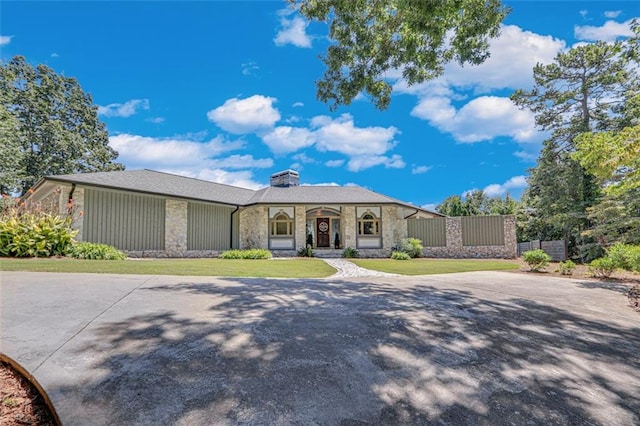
{"x": 322, "y": 231}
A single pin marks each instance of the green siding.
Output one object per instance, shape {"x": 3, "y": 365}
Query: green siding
{"x": 124, "y": 220}
{"x": 482, "y": 231}
{"x": 432, "y": 232}
{"x": 209, "y": 227}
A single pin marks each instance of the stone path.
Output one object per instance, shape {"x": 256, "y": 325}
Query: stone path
{"x": 348, "y": 269}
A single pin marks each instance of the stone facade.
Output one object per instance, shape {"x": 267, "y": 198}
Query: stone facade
{"x": 455, "y": 248}
{"x": 77, "y": 210}
{"x": 394, "y": 227}
{"x": 348, "y": 222}
{"x": 175, "y": 227}
{"x": 254, "y": 227}
{"x": 300, "y": 226}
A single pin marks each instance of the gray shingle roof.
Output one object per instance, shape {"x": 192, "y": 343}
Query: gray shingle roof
{"x": 159, "y": 183}
{"x": 153, "y": 182}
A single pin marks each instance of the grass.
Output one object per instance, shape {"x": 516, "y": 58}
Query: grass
{"x": 290, "y": 268}
{"x": 434, "y": 266}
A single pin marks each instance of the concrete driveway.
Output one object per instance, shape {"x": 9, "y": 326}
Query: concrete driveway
{"x": 475, "y": 348}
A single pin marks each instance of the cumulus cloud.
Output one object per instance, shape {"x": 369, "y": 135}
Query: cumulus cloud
{"x": 242, "y": 116}
{"x": 341, "y": 135}
{"x": 243, "y": 178}
{"x": 481, "y": 119}
{"x": 126, "y": 109}
{"x": 286, "y": 139}
{"x": 292, "y": 31}
{"x": 608, "y": 32}
{"x": 297, "y": 104}
{"x": 362, "y": 162}
{"x": 4, "y": 40}
{"x": 417, "y": 170}
{"x": 146, "y": 152}
{"x": 499, "y": 189}
{"x": 612, "y": 14}
{"x": 334, "y": 163}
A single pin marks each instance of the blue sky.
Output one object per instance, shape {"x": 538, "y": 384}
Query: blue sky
{"x": 224, "y": 91}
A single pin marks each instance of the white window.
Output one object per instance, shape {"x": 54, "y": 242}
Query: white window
{"x": 368, "y": 225}
{"x": 281, "y": 226}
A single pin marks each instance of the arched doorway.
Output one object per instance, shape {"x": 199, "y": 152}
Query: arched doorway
{"x": 324, "y": 228}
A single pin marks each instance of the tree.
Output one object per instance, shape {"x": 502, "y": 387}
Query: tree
{"x": 477, "y": 203}
{"x": 11, "y": 155}
{"x": 58, "y": 127}
{"x": 590, "y": 88}
{"x": 373, "y": 37}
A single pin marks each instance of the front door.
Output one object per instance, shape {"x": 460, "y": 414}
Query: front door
{"x": 323, "y": 232}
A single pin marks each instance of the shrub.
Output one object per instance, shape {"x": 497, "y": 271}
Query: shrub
{"x": 536, "y": 259}
{"x": 566, "y": 267}
{"x": 306, "y": 251}
{"x": 625, "y": 256}
{"x": 400, "y": 255}
{"x": 34, "y": 233}
{"x": 246, "y": 254}
{"x": 350, "y": 252}
{"x": 603, "y": 267}
{"x": 94, "y": 251}
{"x": 411, "y": 246}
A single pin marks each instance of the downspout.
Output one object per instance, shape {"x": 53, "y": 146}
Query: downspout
{"x": 231, "y": 228}
{"x": 411, "y": 214}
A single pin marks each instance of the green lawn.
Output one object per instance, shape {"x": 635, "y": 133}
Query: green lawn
{"x": 434, "y": 266}
{"x": 276, "y": 268}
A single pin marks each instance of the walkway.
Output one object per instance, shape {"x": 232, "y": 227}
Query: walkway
{"x": 347, "y": 269}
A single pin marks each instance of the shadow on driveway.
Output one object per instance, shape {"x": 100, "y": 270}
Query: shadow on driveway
{"x": 340, "y": 352}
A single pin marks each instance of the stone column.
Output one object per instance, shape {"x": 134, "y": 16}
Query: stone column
{"x": 77, "y": 211}
{"x": 394, "y": 227}
{"x": 454, "y": 235}
{"x": 348, "y": 216}
{"x": 175, "y": 226}
{"x": 300, "y": 224}
{"x": 510, "y": 239}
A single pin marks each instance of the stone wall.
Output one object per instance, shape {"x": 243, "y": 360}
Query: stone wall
{"x": 175, "y": 227}
{"x": 455, "y": 248}
{"x": 254, "y": 227}
{"x": 78, "y": 211}
{"x": 348, "y": 224}
{"x": 300, "y": 226}
{"x": 394, "y": 227}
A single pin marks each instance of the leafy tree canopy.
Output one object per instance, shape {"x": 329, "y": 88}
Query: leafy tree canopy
{"x": 477, "y": 203}
{"x": 53, "y": 127}
{"x": 372, "y": 37}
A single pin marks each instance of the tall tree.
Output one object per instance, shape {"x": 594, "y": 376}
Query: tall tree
{"x": 58, "y": 125}
{"x": 11, "y": 155}
{"x": 588, "y": 88}
{"x": 372, "y": 37}
{"x": 477, "y": 203}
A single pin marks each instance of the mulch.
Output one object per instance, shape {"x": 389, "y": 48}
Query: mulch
{"x": 20, "y": 402}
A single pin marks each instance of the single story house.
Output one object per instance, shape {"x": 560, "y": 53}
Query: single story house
{"x": 150, "y": 213}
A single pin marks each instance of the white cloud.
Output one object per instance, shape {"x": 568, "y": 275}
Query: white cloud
{"x": 293, "y": 31}
{"x": 156, "y": 120}
{"x": 496, "y": 189}
{"x": 334, "y": 163}
{"x": 417, "y": 170}
{"x": 241, "y": 116}
{"x": 126, "y": 109}
{"x": 341, "y": 135}
{"x": 297, "y": 104}
{"x": 362, "y": 162}
{"x": 608, "y": 32}
{"x": 429, "y": 206}
{"x": 612, "y": 14}
{"x": 481, "y": 119}
{"x": 240, "y": 162}
{"x": 4, "y": 40}
{"x": 243, "y": 178}
{"x": 55, "y": 55}
{"x": 584, "y": 13}
{"x": 250, "y": 68}
{"x": 286, "y": 139}
{"x": 147, "y": 152}
{"x": 321, "y": 184}
{"x": 304, "y": 158}
{"x": 510, "y": 66}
